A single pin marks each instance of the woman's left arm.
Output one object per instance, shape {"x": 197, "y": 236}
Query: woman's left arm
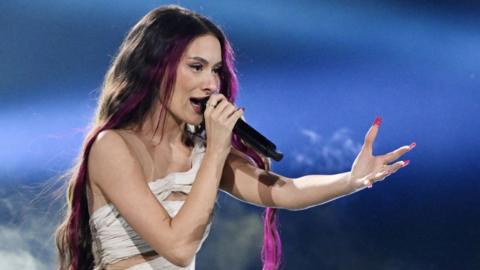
{"x": 245, "y": 182}
{"x": 250, "y": 184}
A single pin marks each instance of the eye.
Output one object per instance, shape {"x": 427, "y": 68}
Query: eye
{"x": 217, "y": 70}
{"x": 196, "y": 67}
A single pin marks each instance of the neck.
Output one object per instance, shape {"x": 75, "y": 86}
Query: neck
{"x": 172, "y": 129}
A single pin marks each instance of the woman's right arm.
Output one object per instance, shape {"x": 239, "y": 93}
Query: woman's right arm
{"x": 117, "y": 173}
{"x": 119, "y": 176}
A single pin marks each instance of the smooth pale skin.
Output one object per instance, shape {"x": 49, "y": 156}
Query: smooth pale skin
{"x": 116, "y": 176}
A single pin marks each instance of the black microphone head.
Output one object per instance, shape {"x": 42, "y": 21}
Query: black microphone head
{"x": 203, "y": 104}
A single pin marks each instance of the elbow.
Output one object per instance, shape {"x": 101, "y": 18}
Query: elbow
{"x": 180, "y": 257}
{"x": 186, "y": 262}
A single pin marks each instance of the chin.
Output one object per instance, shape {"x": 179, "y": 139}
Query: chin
{"x": 195, "y": 121}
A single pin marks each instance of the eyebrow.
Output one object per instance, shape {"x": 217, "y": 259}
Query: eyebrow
{"x": 204, "y": 61}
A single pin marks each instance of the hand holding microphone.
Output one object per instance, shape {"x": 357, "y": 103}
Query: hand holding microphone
{"x": 242, "y": 129}
{"x": 219, "y": 117}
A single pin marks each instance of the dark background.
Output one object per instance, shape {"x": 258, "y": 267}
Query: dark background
{"x": 313, "y": 76}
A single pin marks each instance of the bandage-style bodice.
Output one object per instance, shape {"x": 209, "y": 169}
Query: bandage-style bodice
{"x": 113, "y": 238}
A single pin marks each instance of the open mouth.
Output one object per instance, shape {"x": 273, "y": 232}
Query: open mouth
{"x": 198, "y": 103}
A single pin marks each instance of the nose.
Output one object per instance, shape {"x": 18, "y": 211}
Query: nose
{"x": 212, "y": 83}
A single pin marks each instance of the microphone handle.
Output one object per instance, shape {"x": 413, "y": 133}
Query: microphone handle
{"x": 252, "y": 137}
{"x": 256, "y": 140}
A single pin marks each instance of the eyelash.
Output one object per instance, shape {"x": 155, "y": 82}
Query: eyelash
{"x": 200, "y": 67}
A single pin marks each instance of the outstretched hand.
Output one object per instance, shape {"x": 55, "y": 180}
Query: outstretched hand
{"x": 367, "y": 168}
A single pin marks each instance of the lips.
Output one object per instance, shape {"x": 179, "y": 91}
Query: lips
{"x": 196, "y": 107}
{"x": 197, "y": 103}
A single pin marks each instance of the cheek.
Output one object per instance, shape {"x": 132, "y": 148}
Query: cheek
{"x": 184, "y": 85}
{"x": 185, "y": 81}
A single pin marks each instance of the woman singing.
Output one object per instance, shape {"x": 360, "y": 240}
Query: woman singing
{"x": 144, "y": 188}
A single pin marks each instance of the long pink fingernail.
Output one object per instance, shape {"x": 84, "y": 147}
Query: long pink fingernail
{"x": 378, "y": 121}
{"x": 412, "y": 145}
{"x": 405, "y": 163}
{"x": 367, "y": 183}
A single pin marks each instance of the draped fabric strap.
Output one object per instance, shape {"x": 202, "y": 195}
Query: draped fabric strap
{"x": 113, "y": 238}
{"x": 177, "y": 181}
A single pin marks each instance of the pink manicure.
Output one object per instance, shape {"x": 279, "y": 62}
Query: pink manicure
{"x": 367, "y": 183}
{"x": 412, "y": 145}
{"x": 378, "y": 121}
{"x": 405, "y": 163}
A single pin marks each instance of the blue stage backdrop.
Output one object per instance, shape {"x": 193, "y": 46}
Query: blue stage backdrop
{"x": 313, "y": 76}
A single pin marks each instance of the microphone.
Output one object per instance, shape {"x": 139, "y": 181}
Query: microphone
{"x": 251, "y": 136}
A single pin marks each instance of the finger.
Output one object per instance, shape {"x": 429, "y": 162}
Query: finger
{"x": 384, "y": 172}
{"x": 394, "y": 155}
{"x": 398, "y": 165}
{"x": 375, "y": 176}
{"x": 213, "y": 102}
{"x": 378, "y": 177}
{"x": 232, "y": 120}
{"x": 228, "y": 111}
{"x": 215, "y": 99}
{"x": 372, "y": 134}
{"x": 219, "y": 110}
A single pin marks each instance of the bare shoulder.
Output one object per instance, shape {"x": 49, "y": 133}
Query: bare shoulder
{"x": 108, "y": 140}
{"x": 111, "y": 155}
{"x": 108, "y": 144}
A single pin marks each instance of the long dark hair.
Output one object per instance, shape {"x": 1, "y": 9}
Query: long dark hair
{"x": 144, "y": 70}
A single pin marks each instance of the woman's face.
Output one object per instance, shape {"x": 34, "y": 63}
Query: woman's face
{"x": 197, "y": 77}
